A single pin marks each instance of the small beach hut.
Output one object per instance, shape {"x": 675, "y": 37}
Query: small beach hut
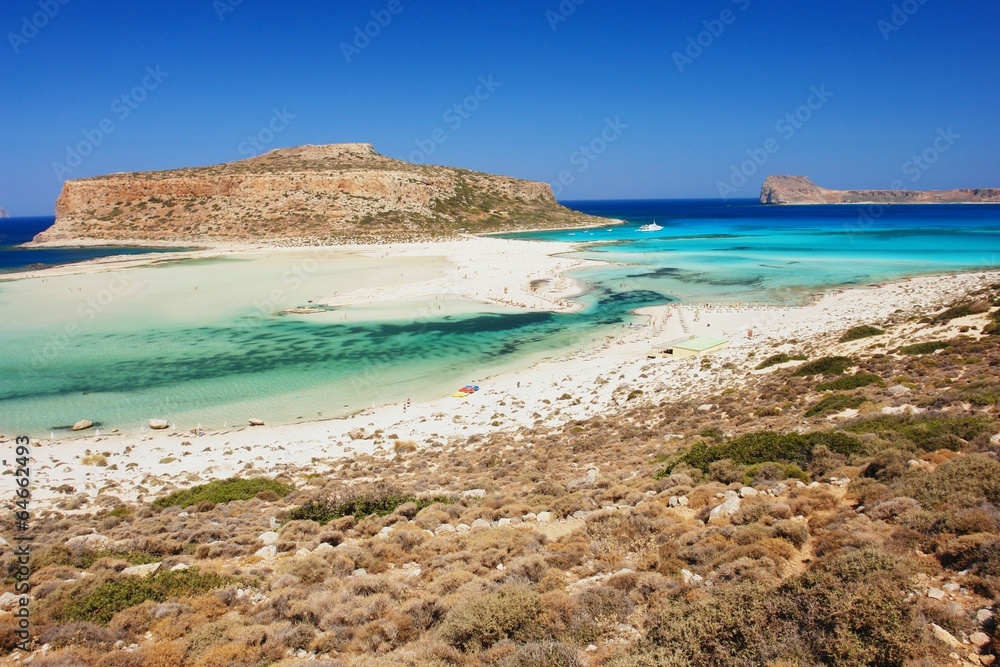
{"x": 696, "y": 346}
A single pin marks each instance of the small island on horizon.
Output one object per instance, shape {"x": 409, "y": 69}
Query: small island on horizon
{"x": 801, "y": 190}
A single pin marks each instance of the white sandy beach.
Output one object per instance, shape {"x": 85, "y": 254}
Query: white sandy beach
{"x": 501, "y": 273}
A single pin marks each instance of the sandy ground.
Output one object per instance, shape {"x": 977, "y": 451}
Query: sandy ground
{"x": 588, "y": 382}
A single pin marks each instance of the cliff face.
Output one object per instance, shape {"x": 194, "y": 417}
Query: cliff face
{"x": 304, "y": 194}
{"x": 800, "y": 190}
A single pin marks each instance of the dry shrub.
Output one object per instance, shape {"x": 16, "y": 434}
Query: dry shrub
{"x": 299, "y": 531}
{"x": 229, "y": 655}
{"x": 312, "y": 569}
{"x": 509, "y": 612}
{"x": 431, "y": 517}
{"x": 81, "y": 634}
{"x": 890, "y": 509}
{"x": 73, "y": 656}
{"x": 533, "y": 654}
{"x": 963, "y": 552}
{"x": 451, "y": 581}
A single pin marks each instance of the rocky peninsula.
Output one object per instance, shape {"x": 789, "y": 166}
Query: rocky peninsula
{"x": 801, "y": 190}
{"x": 302, "y": 195}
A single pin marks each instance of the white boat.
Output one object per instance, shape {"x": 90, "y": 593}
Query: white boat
{"x": 652, "y": 227}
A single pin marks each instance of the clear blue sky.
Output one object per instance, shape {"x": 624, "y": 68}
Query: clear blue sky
{"x": 892, "y": 89}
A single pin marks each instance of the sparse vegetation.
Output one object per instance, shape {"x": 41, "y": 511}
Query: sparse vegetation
{"x": 776, "y": 359}
{"x": 224, "y": 491}
{"x": 925, "y": 348}
{"x": 835, "y": 403}
{"x": 849, "y": 382}
{"x": 824, "y": 366}
{"x": 859, "y": 332}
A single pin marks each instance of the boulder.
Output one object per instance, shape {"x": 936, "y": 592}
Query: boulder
{"x": 256, "y": 422}
{"x": 935, "y": 593}
{"x": 270, "y": 537}
{"x": 979, "y": 639}
{"x": 480, "y": 523}
{"x": 92, "y": 541}
{"x": 474, "y": 493}
{"x": 748, "y": 492}
{"x": 544, "y": 517}
{"x": 267, "y": 551}
{"x": 82, "y": 425}
{"x": 145, "y": 570}
{"x": 159, "y": 424}
{"x": 728, "y": 507}
{"x": 8, "y": 601}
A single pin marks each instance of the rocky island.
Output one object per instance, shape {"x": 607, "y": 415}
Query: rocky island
{"x": 801, "y": 190}
{"x": 306, "y": 194}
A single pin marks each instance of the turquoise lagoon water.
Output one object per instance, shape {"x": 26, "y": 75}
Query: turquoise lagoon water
{"x": 203, "y": 342}
{"x": 710, "y": 250}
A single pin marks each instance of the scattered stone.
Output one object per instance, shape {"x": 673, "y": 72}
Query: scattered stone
{"x": 360, "y": 572}
{"x": 270, "y": 537}
{"x": 544, "y": 517}
{"x": 158, "y": 424}
{"x": 935, "y": 593}
{"x": 145, "y": 570}
{"x": 677, "y": 501}
{"x": 82, "y": 425}
{"x": 944, "y": 636}
{"x": 952, "y": 587}
{"x": 302, "y": 552}
{"x": 357, "y": 434}
{"x": 179, "y": 566}
{"x": 474, "y": 493}
{"x": 898, "y": 390}
{"x": 462, "y": 528}
{"x": 705, "y": 407}
{"x": 8, "y": 601}
{"x": 504, "y": 522}
{"x": 995, "y": 438}
{"x": 690, "y": 577}
{"x": 979, "y": 639}
{"x": 444, "y": 528}
{"x": 984, "y": 615}
{"x": 480, "y": 523}
{"x": 748, "y": 492}
{"x": 322, "y": 548}
{"x": 386, "y": 530}
{"x": 256, "y": 422}
{"x": 168, "y": 609}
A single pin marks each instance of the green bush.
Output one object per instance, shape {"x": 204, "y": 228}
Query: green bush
{"x": 776, "y": 472}
{"x": 776, "y": 359}
{"x": 99, "y": 601}
{"x": 835, "y": 403}
{"x": 926, "y": 432}
{"x": 961, "y": 310}
{"x": 510, "y": 612}
{"x": 224, "y": 491}
{"x": 825, "y": 366}
{"x": 849, "y": 382}
{"x": 859, "y": 332}
{"x": 924, "y": 348}
{"x": 769, "y": 446}
{"x": 380, "y": 502}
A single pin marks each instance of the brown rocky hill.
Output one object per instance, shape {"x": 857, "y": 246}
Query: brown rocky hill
{"x": 801, "y": 190}
{"x": 305, "y": 194}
